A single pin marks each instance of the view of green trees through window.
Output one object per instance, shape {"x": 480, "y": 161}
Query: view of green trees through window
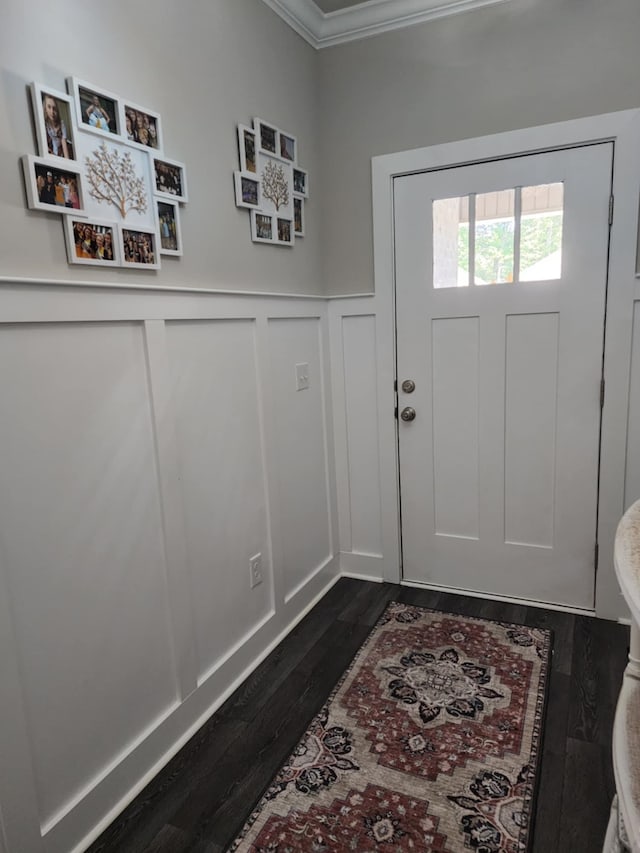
{"x": 540, "y": 239}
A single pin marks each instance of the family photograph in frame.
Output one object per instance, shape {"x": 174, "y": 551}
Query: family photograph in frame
{"x": 298, "y": 216}
{"x": 287, "y": 147}
{"x": 52, "y": 112}
{"x": 97, "y": 110}
{"x": 300, "y": 182}
{"x": 139, "y": 248}
{"x": 247, "y": 145}
{"x": 141, "y": 126}
{"x": 169, "y": 227}
{"x": 92, "y": 242}
{"x": 261, "y": 227}
{"x": 247, "y": 190}
{"x": 170, "y": 179}
{"x": 267, "y": 137}
{"x": 52, "y": 187}
{"x": 285, "y": 231}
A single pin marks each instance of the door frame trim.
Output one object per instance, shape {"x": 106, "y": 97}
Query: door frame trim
{"x": 621, "y": 128}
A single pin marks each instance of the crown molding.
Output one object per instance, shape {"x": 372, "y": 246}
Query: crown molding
{"x": 324, "y": 29}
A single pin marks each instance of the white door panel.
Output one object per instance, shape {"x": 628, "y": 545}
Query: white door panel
{"x": 499, "y": 470}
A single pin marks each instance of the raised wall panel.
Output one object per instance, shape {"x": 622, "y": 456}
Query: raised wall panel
{"x": 215, "y": 391}
{"x": 530, "y": 427}
{"x": 455, "y": 426}
{"x": 301, "y": 451}
{"x": 632, "y": 478}
{"x": 361, "y": 414}
{"x": 82, "y": 551}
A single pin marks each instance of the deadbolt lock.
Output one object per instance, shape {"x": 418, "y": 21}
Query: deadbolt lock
{"x": 408, "y": 386}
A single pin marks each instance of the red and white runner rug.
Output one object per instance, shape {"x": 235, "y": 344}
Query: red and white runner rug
{"x": 430, "y": 742}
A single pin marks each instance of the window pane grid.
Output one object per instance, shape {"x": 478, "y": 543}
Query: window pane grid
{"x": 505, "y": 236}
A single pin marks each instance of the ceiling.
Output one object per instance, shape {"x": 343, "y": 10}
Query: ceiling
{"x": 336, "y": 5}
{"x": 324, "y": 23}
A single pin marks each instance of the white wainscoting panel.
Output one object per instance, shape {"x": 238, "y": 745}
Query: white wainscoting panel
{"x": 214, "y": 375}
{"x": 81, "y": 533}
{"x": 363, "y": 423}
{"x": 152, "y": 442}
{"x": 301, "y": 449}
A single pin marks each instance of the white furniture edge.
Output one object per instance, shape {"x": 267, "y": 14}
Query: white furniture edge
{"x": 622, "y": 127}
{"x": 627, "y": 565}
{"x": 325, "y": 29}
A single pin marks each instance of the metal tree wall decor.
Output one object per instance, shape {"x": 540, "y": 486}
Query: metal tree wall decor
{"x": 274, "y": 185}
{"x": 271, "y": 184}
{"x": 112, "y": 178}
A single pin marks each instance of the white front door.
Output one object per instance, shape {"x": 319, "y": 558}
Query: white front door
{"x": 500, "y": 296}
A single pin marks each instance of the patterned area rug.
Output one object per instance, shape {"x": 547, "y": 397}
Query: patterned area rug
{"x": 430, "y": 742}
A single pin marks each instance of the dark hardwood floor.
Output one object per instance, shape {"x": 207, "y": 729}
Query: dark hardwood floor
{"x": 200, "y": 800}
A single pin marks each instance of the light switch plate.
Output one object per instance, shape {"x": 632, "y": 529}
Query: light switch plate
{"x": 302, "y": 376}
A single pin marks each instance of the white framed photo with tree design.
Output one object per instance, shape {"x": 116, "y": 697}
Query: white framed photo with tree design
{"x": 117, "y": 181}
{"x": 271, "y": 183}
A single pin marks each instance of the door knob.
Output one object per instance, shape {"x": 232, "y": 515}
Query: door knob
{"x": 408, "y": 386}
{"x": 408, "y": 414}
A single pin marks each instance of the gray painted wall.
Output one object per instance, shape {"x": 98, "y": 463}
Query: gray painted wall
{"x": 204, "y": 66}
{"x": 521, "y": 64}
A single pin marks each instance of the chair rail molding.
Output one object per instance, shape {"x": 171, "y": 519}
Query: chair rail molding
{"x": 325, "y": 29}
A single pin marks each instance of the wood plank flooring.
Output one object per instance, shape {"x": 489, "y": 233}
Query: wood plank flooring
{"x": 200, "y": 800}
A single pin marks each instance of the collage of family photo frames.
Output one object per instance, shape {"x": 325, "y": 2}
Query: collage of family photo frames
{"x": 101, "y": 165}
{"x": 271, "y": 184}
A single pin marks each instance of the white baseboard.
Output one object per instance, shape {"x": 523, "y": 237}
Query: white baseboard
{"x": 360, "y": 577}
{"x": 368, "y": 567}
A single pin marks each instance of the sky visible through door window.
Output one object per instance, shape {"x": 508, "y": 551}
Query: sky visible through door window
{"x": 498, "y": 237}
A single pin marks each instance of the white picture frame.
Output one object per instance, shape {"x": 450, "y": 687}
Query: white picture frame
{"x": 247, "y": 149}
{"x": 284, "y": 231}
{"x": 298, "y": 216}
{"x": 36, "y": 177}
{"x": 267, "y": 137}
{"x": 169, "y": 231}
{"x": 169, "y": 179}
{"x": 54, "y": 140}
{"x": 137, "y": 234}
{"x": 152, "y": 126}
{"x": 287, "y": 147}
{"x": 86, "y": 250}
{"x": 108, "y": 104}
{"x": 248, "y": 192}
{"x": 265, "y": 183}
{"x": 276, "y": 185}
{"x": 261, "y": 223}
{"x": 134, "y": 181}
{"x": 300, "y": 182}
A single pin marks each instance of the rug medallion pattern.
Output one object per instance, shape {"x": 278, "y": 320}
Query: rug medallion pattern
{"x": 429, "y": 743}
